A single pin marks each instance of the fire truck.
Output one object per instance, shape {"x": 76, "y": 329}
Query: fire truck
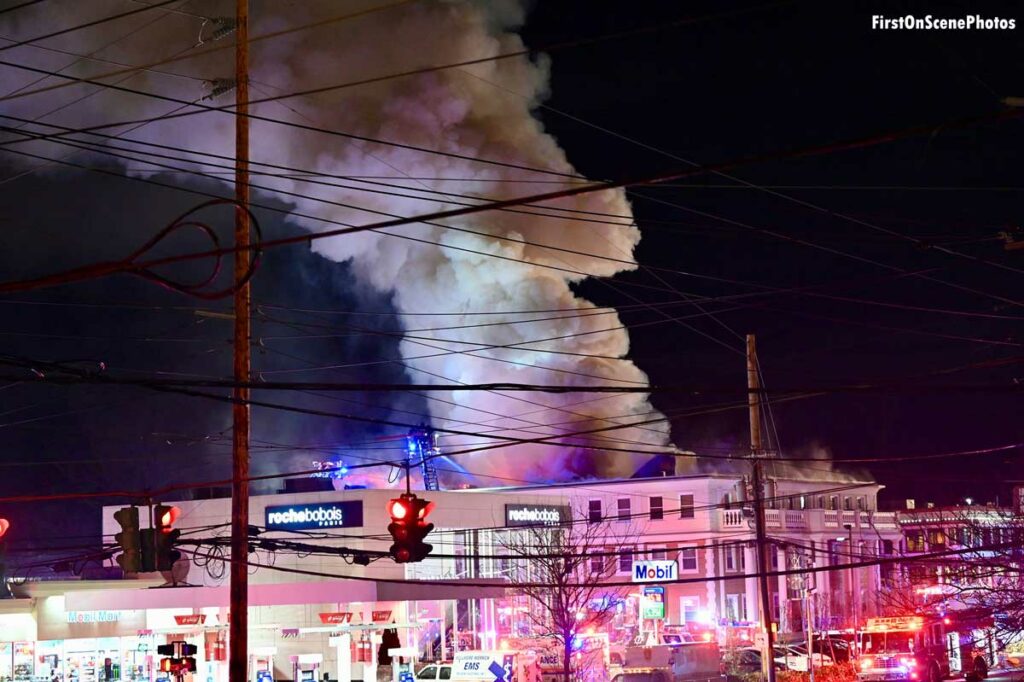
{"x": 925, "y": 648}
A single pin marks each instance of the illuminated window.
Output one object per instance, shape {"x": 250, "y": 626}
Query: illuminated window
{"x": 689, "y": 607}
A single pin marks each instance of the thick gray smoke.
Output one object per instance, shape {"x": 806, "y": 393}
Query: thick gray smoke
{"x": 484, "y": 111}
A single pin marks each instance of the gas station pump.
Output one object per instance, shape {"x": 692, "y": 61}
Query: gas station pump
{"x": 261, "y": 665}
{"x": 403, "y": 671}
{"x": 306, "y": 667}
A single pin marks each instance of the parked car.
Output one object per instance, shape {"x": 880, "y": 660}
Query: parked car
{"x": 786, "y": 658}
{"x": 435, "y": 671}
{"x": 745, "y": 661}
{"x": 820, "y": 659}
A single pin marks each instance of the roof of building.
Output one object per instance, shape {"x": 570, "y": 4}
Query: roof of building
{"x": 837, "y": 478}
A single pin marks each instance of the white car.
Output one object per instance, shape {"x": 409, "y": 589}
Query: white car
{"x": 792, "y": 658}
{"x": 795, "y": 658}
{"x": 435, "y": 671}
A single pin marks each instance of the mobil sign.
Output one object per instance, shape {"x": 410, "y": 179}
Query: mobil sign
{"x": 654, "y": 571}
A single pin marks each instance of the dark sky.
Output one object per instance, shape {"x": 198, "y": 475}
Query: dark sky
{"x": 798, "y": 74}
{"x": 809, "y": 74}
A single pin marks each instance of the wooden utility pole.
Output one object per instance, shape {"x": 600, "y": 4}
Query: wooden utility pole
{"x": 239, "y": 629}
{"x": 756, "y": 454}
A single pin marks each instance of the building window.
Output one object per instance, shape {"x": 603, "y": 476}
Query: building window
{"x": 597, "y": 564}
{"x": 732, "y": 607}
{"x": 594, "y": 511}
{"x": 657, "y": 553}
{"x": 803, "y": 501}
{"x": 937, "y": 539}
{"x": 623, "y": 506}
{"x": 821, "y": 502}
{"x": 689, "y": 608}
{"x": 833, "y": 552}
{"x": 847, "y": 503}
{"x": 657, "y": 508}
{"x": 833, "y": 502}
{"x": 915, "y": 541}
{"x": 860, "y": 503}
{"x": 730, "y": 557}
{"x": 626, "y": 560}
{"x": 688, "y": 559}
{"x": 686, "y": 506}
{"x": 460, "y": 554}
{"x": 773, "y": 553}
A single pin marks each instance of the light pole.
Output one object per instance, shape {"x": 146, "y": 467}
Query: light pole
{"x": 854, "y": 587}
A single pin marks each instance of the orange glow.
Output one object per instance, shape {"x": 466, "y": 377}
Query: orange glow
{"x": 947, "y": 621}
{"x": 707, "y": 636}
{"x": 865, "y": 663}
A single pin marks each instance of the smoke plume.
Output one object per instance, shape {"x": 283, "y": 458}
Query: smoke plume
{"x": 489, "y": 273}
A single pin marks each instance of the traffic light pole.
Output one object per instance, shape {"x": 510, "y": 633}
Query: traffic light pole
{"x": 238, "y": 659}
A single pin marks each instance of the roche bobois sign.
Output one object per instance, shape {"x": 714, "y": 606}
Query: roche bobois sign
{"x": 536, "y": 515}
{"x": 347, "y": 514}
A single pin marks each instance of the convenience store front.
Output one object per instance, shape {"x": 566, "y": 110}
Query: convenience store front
{"x": 44, "y": 637}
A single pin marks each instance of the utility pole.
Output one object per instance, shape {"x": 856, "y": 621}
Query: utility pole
{"x": 239, "y": 593}
{"x": 756, "y": 454}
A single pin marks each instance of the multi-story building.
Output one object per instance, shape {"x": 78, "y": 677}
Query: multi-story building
{"x": 956, "y": 555}
{"x": 322, "y": 612}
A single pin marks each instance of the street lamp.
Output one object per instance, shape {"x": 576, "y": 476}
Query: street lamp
{"x": 853, "y": 584}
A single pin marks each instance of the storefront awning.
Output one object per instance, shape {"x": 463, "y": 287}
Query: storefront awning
{"x": 335, "y": 591}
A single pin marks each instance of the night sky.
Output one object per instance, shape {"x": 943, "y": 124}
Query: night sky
{"x": 792, "y": 75}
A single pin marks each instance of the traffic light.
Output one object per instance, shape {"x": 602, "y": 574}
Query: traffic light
{"x": 5, "y": 589}
{"x": 409, "y": 527}
{"x": 180, "y": 659}
{"x": 165, "y": 536}
{"x": 129, "y": 540}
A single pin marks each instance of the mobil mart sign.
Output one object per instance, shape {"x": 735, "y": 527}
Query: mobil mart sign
{"x": 655, "y": 571}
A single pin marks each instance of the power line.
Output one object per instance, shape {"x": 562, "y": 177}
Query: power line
{"x": 79, "y": 27}
{"x": 12, "y": 8}
{"x": 87, "y": 272}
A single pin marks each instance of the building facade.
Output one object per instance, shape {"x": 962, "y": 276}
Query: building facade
{"x": 316, "y": 613}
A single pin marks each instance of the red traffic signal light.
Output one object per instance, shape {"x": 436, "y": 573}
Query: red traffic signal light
{"x": 165, "y": 537}
{"x": 409, "y": 527}
{"x": 165, "y": 517}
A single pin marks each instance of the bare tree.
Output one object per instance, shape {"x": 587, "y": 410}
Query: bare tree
{"x": 562, "y": 568}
